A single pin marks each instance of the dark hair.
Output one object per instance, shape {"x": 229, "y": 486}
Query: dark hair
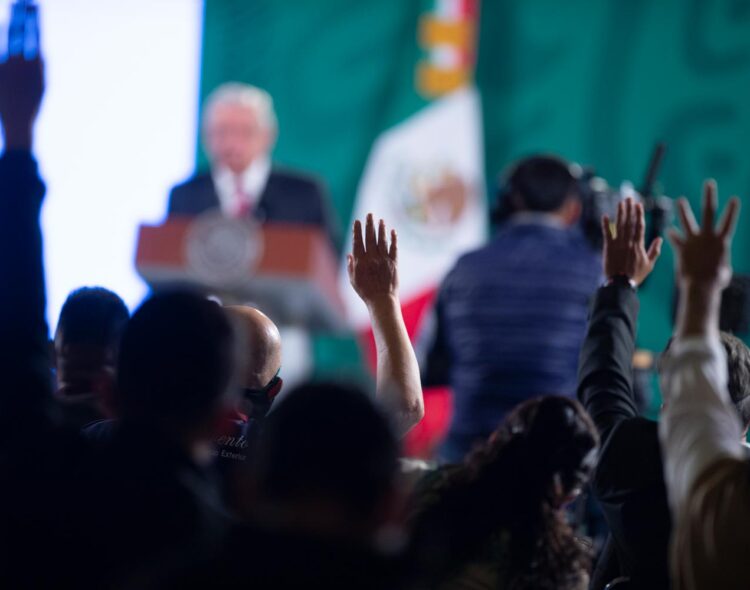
{"x": 507, "y": 487}
{"x": 738, "y": 365}
{"x": 542, "y": 183}
{"x": 738, "y": 371}
{"x": 328, "y": 441}
{"x": 93, "y": 315}
{"x": 176, "y": 360}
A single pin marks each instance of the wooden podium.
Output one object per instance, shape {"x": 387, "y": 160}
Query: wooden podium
{"x": 288, "y": 271}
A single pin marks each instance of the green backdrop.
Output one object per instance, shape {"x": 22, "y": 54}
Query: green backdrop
{"x": 596, "y": 81}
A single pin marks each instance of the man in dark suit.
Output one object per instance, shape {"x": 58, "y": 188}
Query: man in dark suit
{"x": 629, "y": 480}
{"x": 239, "y": 130}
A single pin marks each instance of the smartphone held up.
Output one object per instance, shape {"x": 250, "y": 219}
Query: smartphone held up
{"x": 23, "y": 30}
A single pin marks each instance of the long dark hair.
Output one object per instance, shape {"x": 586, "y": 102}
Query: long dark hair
{"x": 513, "y": 487}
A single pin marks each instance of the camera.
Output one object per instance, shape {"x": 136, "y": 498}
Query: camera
{"x": 598, "y": 198}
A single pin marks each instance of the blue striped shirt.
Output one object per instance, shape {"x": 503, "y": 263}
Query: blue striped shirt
{"x": 511, "y": 319}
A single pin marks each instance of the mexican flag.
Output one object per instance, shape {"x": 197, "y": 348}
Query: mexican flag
{"x": 424, "y": 175}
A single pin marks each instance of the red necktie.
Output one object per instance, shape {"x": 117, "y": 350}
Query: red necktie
{"x": 242, "y": 202}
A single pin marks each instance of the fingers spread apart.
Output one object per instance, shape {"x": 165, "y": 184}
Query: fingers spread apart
{"x": 373, "y": 241}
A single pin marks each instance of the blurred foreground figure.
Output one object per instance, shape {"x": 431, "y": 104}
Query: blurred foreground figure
{"x": 38, "y": 463}
{"x": 239, "y": 132}
{"x": 259, "y": 385}
{"x": 155, "y": 506}
{"x": 328, "y": 507}
{"x": 87, "y": 341}
{"x": 705, "y": 462}
{"x": 629, "y": 478}
{"x": 498, "y": 520}
{"x": 510, "y": 317}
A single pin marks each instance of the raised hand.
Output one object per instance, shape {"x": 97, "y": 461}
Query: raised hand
{"x": 625, "y": 251}
{"x": 703, "y": 254}
{"x": 373, "y": 272}
{"x": 21, "y": 91}
{"x": 372, "y": 265}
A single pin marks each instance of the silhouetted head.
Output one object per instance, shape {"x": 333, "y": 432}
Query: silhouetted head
{"x": 515, "y": 483}
{"x": 262, "y": 359}
{"x": 544, "y": 184}
{"x": 176, "y": 364}
{"x": 738, "y": 365}
{"x": 559, "y": 440}
{"x": 87, "y": 342}
{"x": 327, "y": 453}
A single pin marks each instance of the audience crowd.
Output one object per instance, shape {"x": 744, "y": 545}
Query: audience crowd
{"x": 155, "y": 450}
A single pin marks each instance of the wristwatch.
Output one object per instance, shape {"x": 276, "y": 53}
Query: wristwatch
{"x": 621, "y": 281}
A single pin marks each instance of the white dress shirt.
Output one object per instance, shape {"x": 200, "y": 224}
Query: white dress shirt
{"x": 252, "y": 181}
{"x": 699, "y": 425}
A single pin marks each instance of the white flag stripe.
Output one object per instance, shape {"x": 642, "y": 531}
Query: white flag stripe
{"x": 447, "y": 57}
{"x": 425, "y": 178}
{"x": 449, "y": 9}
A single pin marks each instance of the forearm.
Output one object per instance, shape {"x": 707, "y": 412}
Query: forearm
{"x": 18, "y": 136}
{"x": 698, "y": 313}
{"x": 605, "y": 368}
{"x": 22, "y": 299}
{"x": 699, "y": 426}
{"x": 398, "y": 382}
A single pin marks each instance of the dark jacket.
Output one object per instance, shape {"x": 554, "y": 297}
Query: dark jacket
{"x": 628, "y": 481}
{"x": 153, "y": 511}
{"x": 39, "y": 462}
{"x": 267, "y": 559}
{"x": 24, "y": 362}
{"x": 66, "y": 513}
{"x": 288, "y": 198}
{"x": 510, "y": 320}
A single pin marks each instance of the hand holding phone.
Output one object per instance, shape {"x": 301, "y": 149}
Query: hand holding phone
{"x": 23, "y": 31}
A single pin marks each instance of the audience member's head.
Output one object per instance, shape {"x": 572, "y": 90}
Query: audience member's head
{"x": 517, "y": 483}
{"x": 738, "y": 371}
{"x": 327, "y": 459}
{"x": 557, "y": 437}
{"x": 87, "y": 342}
{"x": 239, "y": 126}
{"x": 176, "y": 365}
{"x": 738, "y": 364}
{"x": 544, "y": 184}
{"x": 260, "y": 379}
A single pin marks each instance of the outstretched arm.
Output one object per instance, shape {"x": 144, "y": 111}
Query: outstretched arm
{"x": 699, "y": 426}
{"x": 23, "y": 337}
{"x": 606, "y": 364}
{"x": 373, "y": 272}
{"x": 704, "y": 461}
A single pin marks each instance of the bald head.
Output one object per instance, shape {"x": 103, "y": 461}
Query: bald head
{"x": 263, "y": 342}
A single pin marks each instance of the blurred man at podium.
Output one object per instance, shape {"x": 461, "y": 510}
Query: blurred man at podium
{"x": 239, "y": 132}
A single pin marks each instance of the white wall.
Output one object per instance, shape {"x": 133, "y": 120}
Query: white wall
{"x": 117, "y": 129}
